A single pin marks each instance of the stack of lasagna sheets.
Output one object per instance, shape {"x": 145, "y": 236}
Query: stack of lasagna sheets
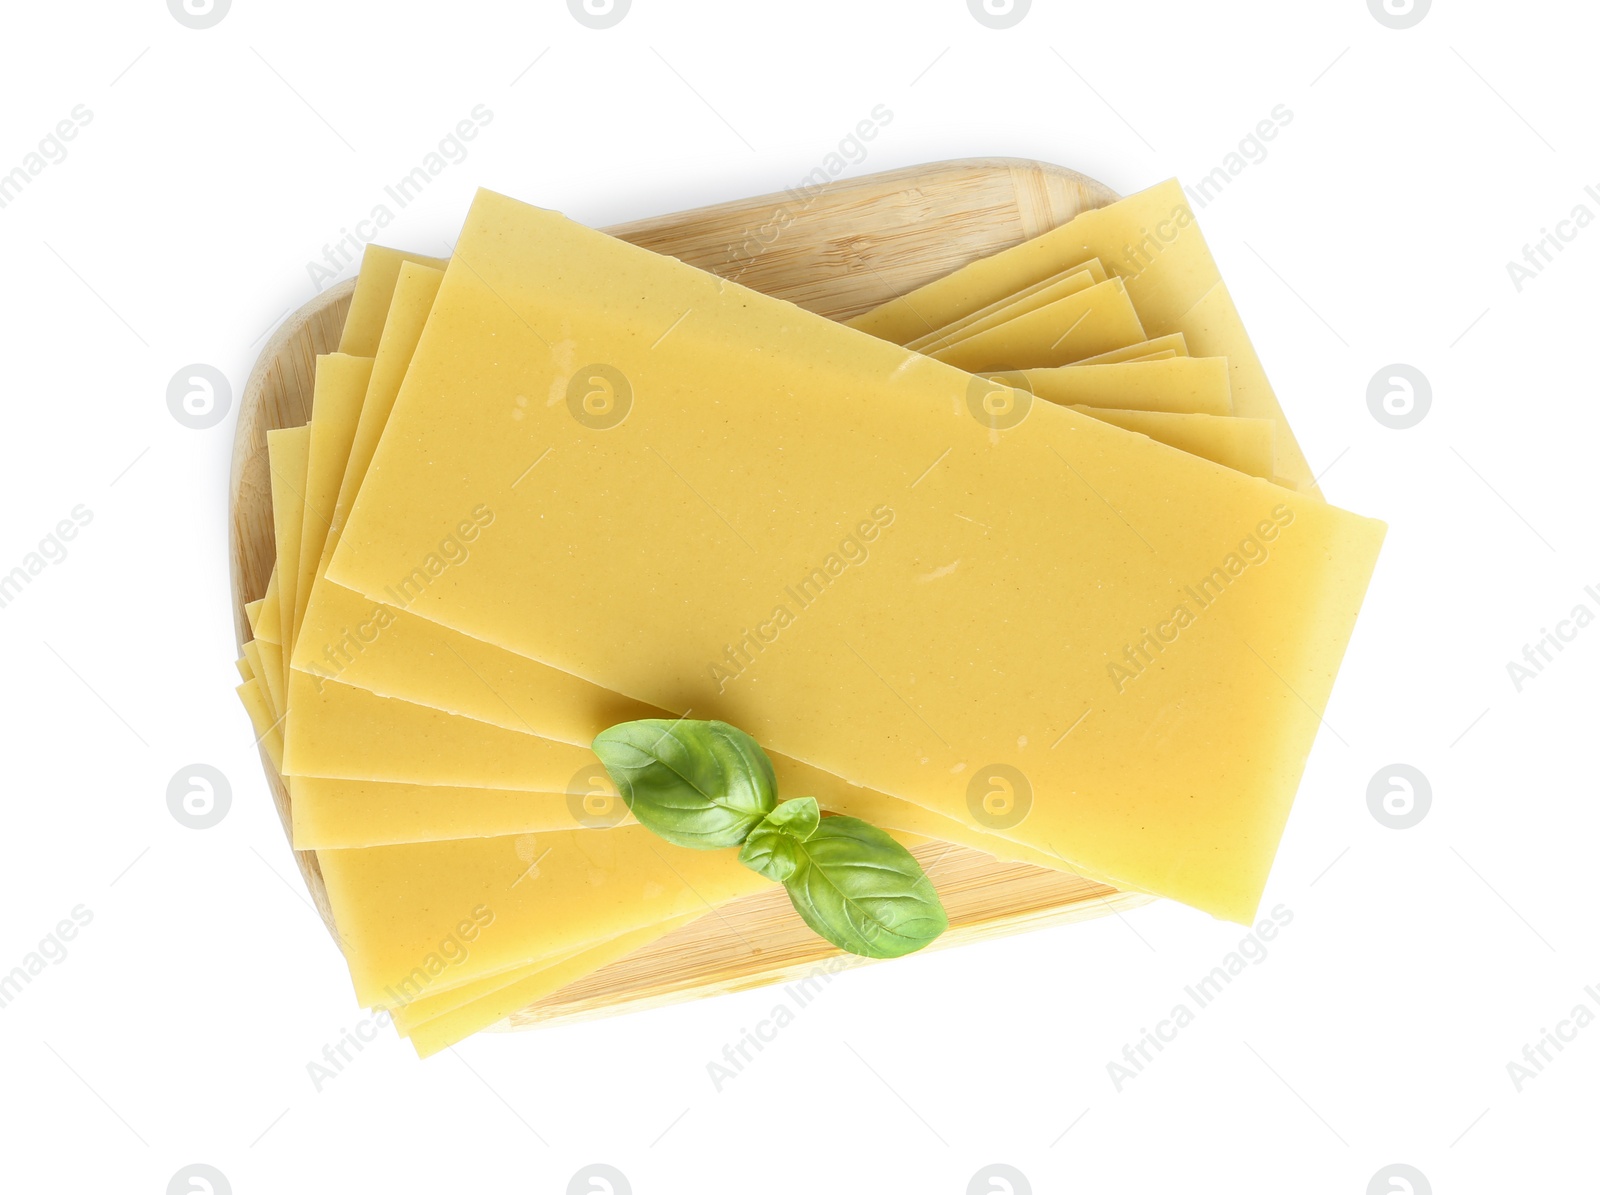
{"x": 1026, "y": 561}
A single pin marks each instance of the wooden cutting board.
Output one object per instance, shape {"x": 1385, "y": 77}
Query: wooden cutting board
{"x": 837, "y": 251}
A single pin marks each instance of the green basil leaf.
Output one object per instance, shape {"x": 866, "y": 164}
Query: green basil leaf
{"x": 772, "y": 849}
{"x": 864, "y": 892}
{"x": 696, "y": 784}
{"x": 798, "y": 818}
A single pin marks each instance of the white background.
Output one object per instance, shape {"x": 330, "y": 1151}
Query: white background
{"x": 1419, "y": 962}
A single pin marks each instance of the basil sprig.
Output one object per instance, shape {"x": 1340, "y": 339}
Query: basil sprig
{"x": 708, "y": 785}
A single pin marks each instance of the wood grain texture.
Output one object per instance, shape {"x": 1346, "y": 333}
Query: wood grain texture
{"x": 838, "y": 250}
{"x": 759, "y": 940}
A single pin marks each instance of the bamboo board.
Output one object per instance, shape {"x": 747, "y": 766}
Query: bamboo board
{"x": 838, "y": 251}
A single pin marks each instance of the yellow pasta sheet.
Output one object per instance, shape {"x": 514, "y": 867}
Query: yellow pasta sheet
{"x": 341, "y": 382}
{"x": 369, "y": 304}
{"x": 1158, "y": 348}
{"x": 428, "y": 917}
{"x": 1086, "y": 324}
{"x": 1152, "y": 242}
{"x": 1068, "y": 282}
{"x": 1186, "y": 385}
{"x": 590, "y": 570}
{"x": 354, "y": 744}
{"x": 1245, "y": 445}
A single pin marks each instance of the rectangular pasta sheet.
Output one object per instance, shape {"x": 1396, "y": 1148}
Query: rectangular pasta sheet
{"x": 647, "y": 550}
